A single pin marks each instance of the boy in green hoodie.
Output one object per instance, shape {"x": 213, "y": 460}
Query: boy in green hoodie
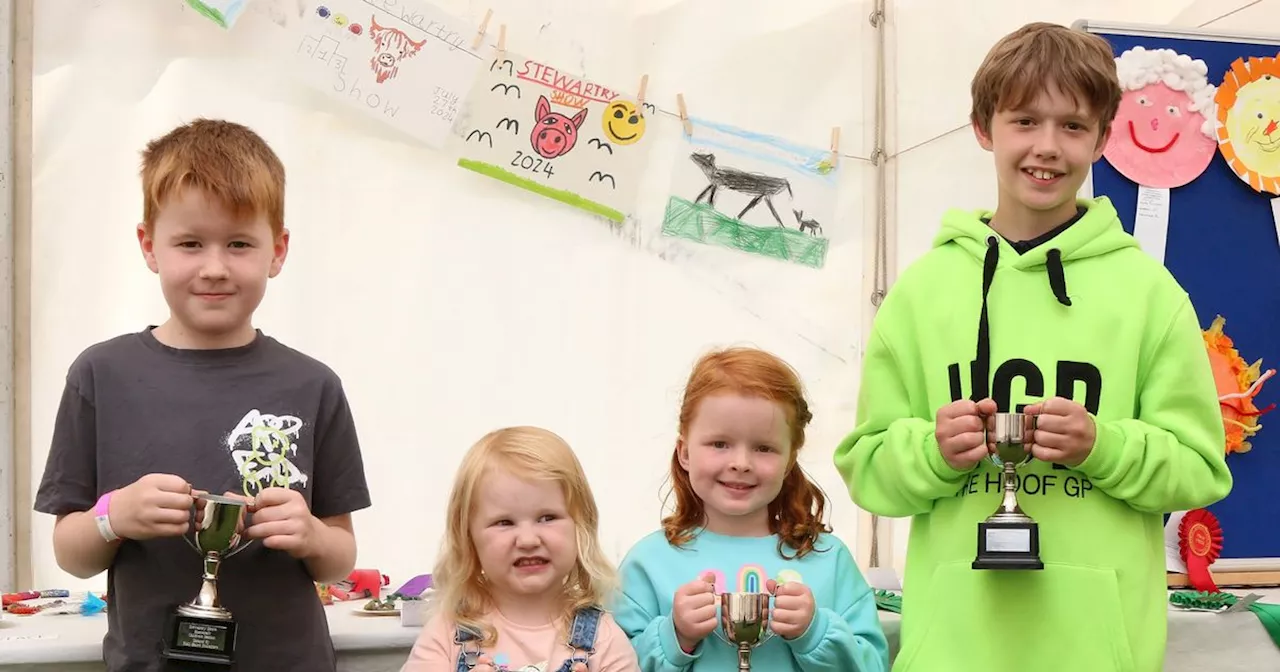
{"x": 1044, "y": 306}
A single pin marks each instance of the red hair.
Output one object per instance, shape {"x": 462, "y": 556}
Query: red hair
{"x": 796, "y": 514}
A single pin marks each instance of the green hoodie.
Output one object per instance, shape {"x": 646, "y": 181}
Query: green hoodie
{"x": 1087, "y": 316}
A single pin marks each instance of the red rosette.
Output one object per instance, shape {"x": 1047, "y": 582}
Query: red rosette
{"x": 1200, "y": 544}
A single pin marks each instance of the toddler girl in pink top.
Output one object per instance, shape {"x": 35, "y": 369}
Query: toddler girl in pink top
{"x": 521, "y": 580}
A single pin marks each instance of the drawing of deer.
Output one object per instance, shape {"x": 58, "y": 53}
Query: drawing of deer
{"x": 810, "y": 225}
{"x": 755, "y": 184}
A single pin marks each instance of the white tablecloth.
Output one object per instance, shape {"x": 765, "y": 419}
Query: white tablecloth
{"x": 1198, "y": 641}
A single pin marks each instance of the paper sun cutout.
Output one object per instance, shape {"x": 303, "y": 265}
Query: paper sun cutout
{"x": 1163, "y": 132}
{"x": 1249, "y": 122}
{"x": 1238, "y": 384}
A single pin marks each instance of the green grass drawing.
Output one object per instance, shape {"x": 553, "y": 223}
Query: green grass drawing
{"x": 504, "y": 175}
{"x": 213, "y": 14}
{"x": 703, "y": 223}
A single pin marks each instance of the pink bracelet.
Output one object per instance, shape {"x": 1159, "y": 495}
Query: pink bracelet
{"x": 102, "y": 516}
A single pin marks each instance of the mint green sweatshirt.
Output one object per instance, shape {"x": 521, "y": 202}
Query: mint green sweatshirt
{"x": 1087, "y": 316}
{"x": 844, "y": 635}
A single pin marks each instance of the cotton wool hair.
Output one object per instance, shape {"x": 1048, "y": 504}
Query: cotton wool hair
{"x": 1139, "y": 67}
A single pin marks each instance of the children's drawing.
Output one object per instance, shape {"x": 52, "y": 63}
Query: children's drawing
{"x": 402, "y": 63}
{"x": 555, "y": 134}
{"x": 1248, "y": 114}
{"x": 222, "y": 12}
{"x": 1238, "y": 383}
{"x": 1163, "y": 135}
{"x": 731, "y": 187}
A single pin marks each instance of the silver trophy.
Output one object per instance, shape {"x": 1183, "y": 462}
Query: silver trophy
{"x": 744, "y": 618}
{"x": 1009, "y": 538}
{"x": 202, "y": 630}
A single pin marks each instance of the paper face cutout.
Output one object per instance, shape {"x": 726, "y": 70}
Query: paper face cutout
{"x": 1163, "y": 132}
{"x": 1238, "y": 383}
{"x": 1249, "y": 122}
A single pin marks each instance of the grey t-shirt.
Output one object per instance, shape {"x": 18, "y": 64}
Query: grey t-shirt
{"x": 240, "y": 420}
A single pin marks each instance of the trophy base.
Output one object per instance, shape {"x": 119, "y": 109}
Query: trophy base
{"x": 198, "y": 643}
{"x": 1008, "y": 545}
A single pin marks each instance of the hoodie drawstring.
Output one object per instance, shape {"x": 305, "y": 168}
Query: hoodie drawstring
{"x": 1057, "y": 280}
{"x": 981, "y": 370}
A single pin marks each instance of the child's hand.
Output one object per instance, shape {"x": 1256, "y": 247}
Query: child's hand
{"x": 156, "y": 505}
{"x": 793, "y": 608}
{"x": 484, "y": 664}
{"x": 1065, "y": 431}
{"x": 959, "y": 432}
{"x": 282, "y": 521}
{"x": 694, "y": 611}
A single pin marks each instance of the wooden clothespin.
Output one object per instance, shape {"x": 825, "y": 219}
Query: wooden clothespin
{"x": 684, "y": 114}
{"x": 502, "y": 41}
{"x": 644, "y": 84}
{"x": 484, "y": 28}
{"x": 835, "y": 146}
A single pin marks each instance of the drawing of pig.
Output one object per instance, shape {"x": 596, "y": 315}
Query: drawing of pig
{"x": 554, "y": 134}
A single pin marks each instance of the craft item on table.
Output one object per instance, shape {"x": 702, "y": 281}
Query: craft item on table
{"x": 1223, "y": 603}
{"x": 403, "y": 64}
{"x": 888, "y": 601}
{"x": 322, "y": 591}
{"x": 730, "y": 188}
{"x": 1248, "y": 101}
{"x": 1238, "y": 383}
{"x": 28, "y": 609}
{"x": 92, "y": 605}
{"x": 360, "y": 584}
{"x": 1163, "y": 134}
{"x": 1200, "y": 544}
{"x": 556, "y": 134}
{"x": 415, "y": 587}
{"x": 11, "y": 598}
{"x": 222, "y": 12}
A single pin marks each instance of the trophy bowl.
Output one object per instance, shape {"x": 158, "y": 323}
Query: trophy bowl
{"x": 1008, "y": 436}
{"x": 744, "y": 618}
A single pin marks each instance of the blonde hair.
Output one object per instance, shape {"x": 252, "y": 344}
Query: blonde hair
{"x": 227, "y": 161}
{"x": 536, "y": 454}
{"x": 1024, "y": 63}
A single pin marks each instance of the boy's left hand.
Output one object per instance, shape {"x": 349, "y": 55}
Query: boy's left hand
{"x": 793, "y": 608}
{"x": 1065, "y": 431}
{"x": 282, "y": 521}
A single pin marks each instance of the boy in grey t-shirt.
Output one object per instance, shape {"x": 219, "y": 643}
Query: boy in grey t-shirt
{"x": 205, "y": 402}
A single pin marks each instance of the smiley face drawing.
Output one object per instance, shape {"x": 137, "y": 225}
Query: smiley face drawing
{"x": 622, "y": 123}
{"x": 1163, "y": 133}
{"x": 1249, "y": 122}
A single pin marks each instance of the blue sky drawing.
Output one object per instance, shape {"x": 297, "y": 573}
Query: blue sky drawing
{"x": 762, "y": 147}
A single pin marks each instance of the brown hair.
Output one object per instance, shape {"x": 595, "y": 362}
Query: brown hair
{"x": 531, "y": 453}
{"x": 796, "y": 514}
{"x": 227, "y": 161}
{"x": 1024, "y": 63}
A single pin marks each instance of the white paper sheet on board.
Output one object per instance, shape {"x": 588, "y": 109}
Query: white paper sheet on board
{"x": 1151, "y": 223}
{"x": 1172, "y": 556}
{"x": 406, "y": 65}
{"x": 1275, "y": 215}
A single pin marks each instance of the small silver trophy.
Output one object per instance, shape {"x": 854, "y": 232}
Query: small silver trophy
{"x": 744, "y": 618}
{"x": 202, "y": 630}
{"x": 1009, "y": 538}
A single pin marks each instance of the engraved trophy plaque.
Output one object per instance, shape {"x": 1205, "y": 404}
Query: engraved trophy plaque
{"x": 202, "y": 631}
{"x": 1009, "y": 538}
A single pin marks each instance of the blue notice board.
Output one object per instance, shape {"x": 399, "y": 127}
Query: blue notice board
{"x": 1222, "y": 247}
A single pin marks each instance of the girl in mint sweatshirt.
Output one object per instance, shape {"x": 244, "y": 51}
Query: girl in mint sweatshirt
{"x": 747, "y": 519}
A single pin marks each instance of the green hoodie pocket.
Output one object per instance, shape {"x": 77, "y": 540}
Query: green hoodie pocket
{"x": 1064, "y": 618}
